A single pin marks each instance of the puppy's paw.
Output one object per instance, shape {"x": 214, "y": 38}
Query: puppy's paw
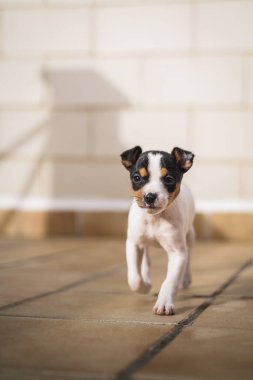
{"x": 139, "y": 286}
{"x": 164, "y": 308}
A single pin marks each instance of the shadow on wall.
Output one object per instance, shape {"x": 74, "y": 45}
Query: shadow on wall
{"x": 64, "y": 147}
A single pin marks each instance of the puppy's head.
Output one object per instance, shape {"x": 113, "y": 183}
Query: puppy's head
{"x": 156, "y": 175}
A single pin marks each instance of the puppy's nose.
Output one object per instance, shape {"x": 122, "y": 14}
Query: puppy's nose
{"x": 150, "y": 198}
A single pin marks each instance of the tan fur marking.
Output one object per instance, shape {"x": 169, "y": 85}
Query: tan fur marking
{"x": 126, "y": 163}
{"x": 177, "y": 155}
{"x": 143, "y": 172}
{"x": 187, "y": 165}
{"x": 163, "y": 172}
{"x": 138, "y": 194}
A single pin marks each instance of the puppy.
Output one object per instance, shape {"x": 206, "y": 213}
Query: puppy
{"x": 163, "y": 212}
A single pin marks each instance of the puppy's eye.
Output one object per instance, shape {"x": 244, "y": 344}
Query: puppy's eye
{"x": 136, "y": 178}
{"x": 170, "y": 180}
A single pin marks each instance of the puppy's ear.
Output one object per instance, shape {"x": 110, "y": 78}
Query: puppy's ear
{"x": 129, "y": 157}
{"x": 183, "y": 158}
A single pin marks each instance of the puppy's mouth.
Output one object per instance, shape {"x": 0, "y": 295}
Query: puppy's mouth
{"x": 149, "y": 207}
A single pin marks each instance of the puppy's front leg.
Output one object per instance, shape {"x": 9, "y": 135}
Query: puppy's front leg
{"x": 166, "y": 299}
{"x": 134, "y": 255}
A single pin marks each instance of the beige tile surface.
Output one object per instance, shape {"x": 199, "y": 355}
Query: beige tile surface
{"x": 73, "y": 317}
{"x": 204, "y": 353}
{"x": 75, "y": 346}
{"x": 34, "y": 276}
{"x": 229, "y": 311}
{"x": 99, "y": 305}
{"x": 218, "y": 345}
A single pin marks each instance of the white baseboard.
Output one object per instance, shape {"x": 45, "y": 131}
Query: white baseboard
{"x": 117, "y": 205}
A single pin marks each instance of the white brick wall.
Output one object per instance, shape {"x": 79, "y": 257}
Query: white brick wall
{"x": 45, "y": 31}
{"x": 193, "y": 81}
{"x": 78, "y": 180}
{"x": 250, "y": 81}
{"x": 20, "y": 82}
{"x": 224, "y": 25}
{"x": 143, "y": 29}
{"x": 39, "y": 133}
{"x": 10, "y": 3}
{"x": 146, "y": 128}
{"x": 20, "y": 178}
{"x": 216, "y": 180}
{"x": 93, "y": 82}
{"x": 83, "y": 80}
{"x": 223, "y": 134}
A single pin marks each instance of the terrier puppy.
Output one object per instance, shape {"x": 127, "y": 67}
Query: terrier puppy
{"x": 163, "y": 212}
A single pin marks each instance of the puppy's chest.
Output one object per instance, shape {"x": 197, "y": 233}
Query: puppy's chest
{"x": 155, "y": 229}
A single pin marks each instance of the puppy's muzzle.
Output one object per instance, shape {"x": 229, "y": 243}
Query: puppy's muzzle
{"x": 150, "y": 198}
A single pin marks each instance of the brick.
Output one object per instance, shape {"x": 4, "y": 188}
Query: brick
{"x": 224, "y": 25}
{"x": 38, "y": 133}
{"x": 1, "y": 35}
{"x": 246, "y": 185}
{"x": 19, "y": 178}
{"x": 250, "y": 81}
{"x": 93, "y": 83}
{"x": 213, "y": 181}
{"x": 20, "y": 3}
{"x": 20, "y": 82}
{"x": 94, "y": 180}
{"x": 152, "y": 130}
{"x": 193, "y": 81}
{"x": 224, "y": 134}
{"x": 92, "y": 2}
{"x": 46, "y": 31}
{"x": 143, "y": 28}
{"x": 71, "y": 2}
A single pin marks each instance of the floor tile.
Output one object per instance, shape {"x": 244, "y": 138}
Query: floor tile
{"x": 243, "y": 285}
{"x": 204, "y": 353}
{"x": 234, "y": 308}
{"x": 225, "y": 311}
{"x": 50, "y": 272}
{"x": 89, "y": 305}
{"x": 13, "y": 251}
{"x": 72, "y": 346}
{"x": 76, "y": 318}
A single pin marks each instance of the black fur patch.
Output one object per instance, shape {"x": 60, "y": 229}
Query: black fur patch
{"x": 174, "y": 175}
{"x": 142, "y": 162}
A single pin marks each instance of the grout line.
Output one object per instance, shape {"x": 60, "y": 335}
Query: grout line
{"x": 63, "y": 288}
{"x": 91, "y": 320}
{"x": 168, "y": 338}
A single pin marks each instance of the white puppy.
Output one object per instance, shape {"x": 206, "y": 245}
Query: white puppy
{"x": 162, "y": 211}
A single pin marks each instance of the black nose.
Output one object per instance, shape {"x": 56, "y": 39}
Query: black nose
{"x": 150, "y": 198}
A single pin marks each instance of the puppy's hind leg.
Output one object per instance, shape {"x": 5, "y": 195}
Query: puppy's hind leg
{"x": 187, "y": 278}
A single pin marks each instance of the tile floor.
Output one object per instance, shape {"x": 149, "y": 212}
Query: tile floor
{"x": 66, "y": 313}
